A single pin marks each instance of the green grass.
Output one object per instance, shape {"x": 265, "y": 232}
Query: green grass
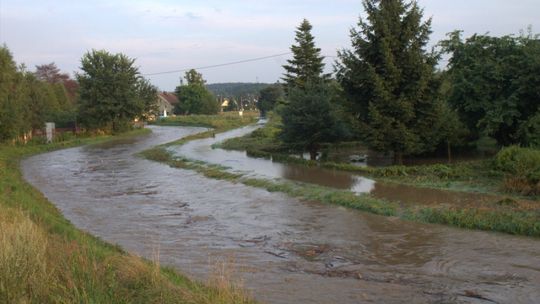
{"x": 262, "y": 139}
{"x": 505, "y": 216}
{"x": 45, "y": 259}
{"x": 222, "y": 121}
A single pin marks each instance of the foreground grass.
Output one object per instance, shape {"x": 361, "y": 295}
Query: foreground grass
{"x": 45, "y": 259}
{"x": 506, "y": 216}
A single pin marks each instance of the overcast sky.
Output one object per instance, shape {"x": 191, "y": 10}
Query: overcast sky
{"x": 172, "y": 35}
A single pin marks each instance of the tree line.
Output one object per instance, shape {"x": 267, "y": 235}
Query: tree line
{"x": 29, "y": 99}
{"x": 107, "y": 95}
{"x": 389, "y": 92}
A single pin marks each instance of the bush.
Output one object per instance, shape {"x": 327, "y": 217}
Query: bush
{"x": 522, "y": 169}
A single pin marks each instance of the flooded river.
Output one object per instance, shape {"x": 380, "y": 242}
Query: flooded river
{"x": 284, "y": 250}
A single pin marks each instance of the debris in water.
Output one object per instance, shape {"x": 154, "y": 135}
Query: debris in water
{"x": 281, "y": 254}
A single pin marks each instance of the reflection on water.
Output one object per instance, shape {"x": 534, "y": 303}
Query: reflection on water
{"x": 286, "y": 250}
{"x": 261, "y": 167}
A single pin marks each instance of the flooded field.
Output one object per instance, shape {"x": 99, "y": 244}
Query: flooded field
{"x": 265, "y": 168}
{"x": 283, "y": 249}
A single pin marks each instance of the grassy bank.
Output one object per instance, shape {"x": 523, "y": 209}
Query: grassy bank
{"x": 217, "y": 123}
{"x": 506, "y": 216}
{"x": 45, "y": 259}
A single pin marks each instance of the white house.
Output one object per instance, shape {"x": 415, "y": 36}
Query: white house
{"x": 166, "y": 103}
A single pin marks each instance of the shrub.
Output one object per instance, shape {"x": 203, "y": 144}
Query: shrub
{"x": 522, "y": 169}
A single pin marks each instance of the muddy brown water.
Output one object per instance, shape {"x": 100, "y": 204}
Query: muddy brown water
{"x": 284, "y": 250}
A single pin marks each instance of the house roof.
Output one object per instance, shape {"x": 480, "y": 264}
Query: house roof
{"x": 169, "y": 97}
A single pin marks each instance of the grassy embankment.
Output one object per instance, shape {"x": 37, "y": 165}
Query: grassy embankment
{"x": 45, "y": 259}
{"x": 504, "y": 216}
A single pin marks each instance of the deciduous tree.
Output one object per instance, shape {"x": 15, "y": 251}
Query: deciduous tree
{"x": 111, "y": 91}
{"x": 195, "y": 98}
{"x": 494, "y": 85}
{"x": 269, "y": 97}
{"x": 51, "y": 73}
{"x": 13, "y": 122}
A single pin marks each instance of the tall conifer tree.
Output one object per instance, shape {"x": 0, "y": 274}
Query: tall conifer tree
{"x": 389, "y": 78}
{"x": 307, "y": 63}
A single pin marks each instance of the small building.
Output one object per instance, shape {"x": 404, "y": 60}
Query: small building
{"x": 224, "y": 104}
{"x": 166, "y": 103}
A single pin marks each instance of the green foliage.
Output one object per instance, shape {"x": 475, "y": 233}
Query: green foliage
{"x": 147, "y": 96}
{"x": 522, "y": 167}
{"x": 27, "y": 102}
{"x": 498, "y": 219}
{"x": 12, "y": 104}
{"x": 529, "y": 131}
{"x": 236, "y": 90}
{"x": 494, "y": 83}
{"x": 112, "y": 92}
{"x": 194, "y": 97}
{"x": 263, "y": 139}
{"x": 194, "y": 78}
{"x": 269, "y": 97}
{"x": 389, "y": 78}
{"x": 307, "y": 63}
{"x": 308, "y": 118}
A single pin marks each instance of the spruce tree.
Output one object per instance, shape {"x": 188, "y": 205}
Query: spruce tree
{"x": 310, "y": 119}
{"x": 307, "y": 63}
{"x": 388, "y": 77}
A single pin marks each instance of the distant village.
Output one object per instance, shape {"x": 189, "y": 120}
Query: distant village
{"x": 168, "y": 101}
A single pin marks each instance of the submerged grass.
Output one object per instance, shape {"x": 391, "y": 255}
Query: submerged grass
{"x": 505, "y": 216}
{"x": 479, "y": 176}
{"x": 45, "y": 259}
{"x": 502, "y": 217}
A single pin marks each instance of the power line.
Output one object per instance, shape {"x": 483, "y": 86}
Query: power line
{"x": 223, "y": 64}
{"x": 219, "y": 65}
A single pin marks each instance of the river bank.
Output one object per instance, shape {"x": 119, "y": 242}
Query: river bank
{"x": 44, "y": 258}
{"x": 498, "y": 213}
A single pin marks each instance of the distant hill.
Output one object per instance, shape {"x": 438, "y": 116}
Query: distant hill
{"x": 236, "y": 89}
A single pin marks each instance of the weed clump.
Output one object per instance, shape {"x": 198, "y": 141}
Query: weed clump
{"x": 521, "y": 167}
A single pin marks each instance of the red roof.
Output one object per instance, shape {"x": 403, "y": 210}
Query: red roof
{"x": 170, "y": 97}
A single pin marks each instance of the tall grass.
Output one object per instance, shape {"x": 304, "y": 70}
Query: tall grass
{"x": 23, "y": 259}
